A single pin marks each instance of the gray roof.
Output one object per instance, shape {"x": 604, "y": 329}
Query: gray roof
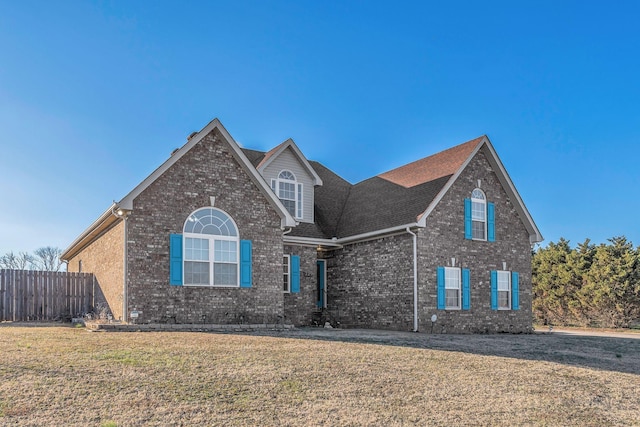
{"x": 342, "y": 209}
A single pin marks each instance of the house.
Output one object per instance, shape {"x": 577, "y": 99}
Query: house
{"x": 223, "y": 234}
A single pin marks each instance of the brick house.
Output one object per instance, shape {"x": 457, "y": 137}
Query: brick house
{"x": 222, "y": 234}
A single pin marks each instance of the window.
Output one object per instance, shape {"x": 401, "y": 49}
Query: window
{"x": 504, "y": 290}
{"x": 478, "y": 214}
{"x": 452, "y": 287}
{"x": 286, "y": 271}
{"x": 289, "y": 192}
{"x": 479, "y": 217}
{"x": 211, "y": 249}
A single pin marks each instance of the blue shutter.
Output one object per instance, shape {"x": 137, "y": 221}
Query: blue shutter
{"x": 295, "y": 273}
{"x": 175, "y": 259}
{"x": 273, "y": 186}
{"x": 299, "y": 201}
{"x": 467, "y": 219}
{"x": 494, "y": 290}
{"x": 321, "y": 266}
{"x": 466, "y": 289}
{"x": 245, "y": 263}
{"x": 515, "y": 291}
{"x": 491, "y": 222}
{"x": 440, "y": 281}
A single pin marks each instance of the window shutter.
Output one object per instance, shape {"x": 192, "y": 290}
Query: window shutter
{"x": 440, "y": 280}
{"x": 295, "y": 274}
{"x": 175, "y": 259}
{"x": 467, "y": 219}
{"x": 466, "y": 289}
{"x": 491, "y": 222}
{"x": 273, "y": 186}
{"x": 515, "y": 291}
{"x": 299, "y": 200}
{"x": 494, "y": 290}
{"x": 245, "y": 263}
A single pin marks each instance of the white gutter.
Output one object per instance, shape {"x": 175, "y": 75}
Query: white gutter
{"x": 125, "y": 290}
{"x": 102, "y": 218}
{"x": 377, "y": 233}
{"x": 415, "y": 279}
{"x": 311, "y": 242}
{"x": 123, "y": 214}
{"x": 338, "y": 243}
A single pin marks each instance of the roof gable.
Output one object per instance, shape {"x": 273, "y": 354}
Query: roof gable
{"x": 239, "y": 155}
{"x": 275, "y": 152}
{"x": 404, "y": 196}
{"x": 109, "y": 216}
{"x": 505, "y": 180}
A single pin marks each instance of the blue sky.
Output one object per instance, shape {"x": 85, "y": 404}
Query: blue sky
{"x": 95, "y": 95}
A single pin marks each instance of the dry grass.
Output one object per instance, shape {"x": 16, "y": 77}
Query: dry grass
{"x": 67, "y": 376}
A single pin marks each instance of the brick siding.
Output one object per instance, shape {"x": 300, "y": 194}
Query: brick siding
{"x": 443, "y": 239}
{"x": 370, "y": 284}
{"x": 208, "y": 169}
{"x": 104, "y": 258}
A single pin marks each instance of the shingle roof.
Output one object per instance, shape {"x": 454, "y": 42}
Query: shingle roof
{"x": 444, "y": 163}
{"x": 270, "y": 153}
{"x": 376, "y": 204}
{"x": 390, "y": 199}
{"x": 255, "y": 157}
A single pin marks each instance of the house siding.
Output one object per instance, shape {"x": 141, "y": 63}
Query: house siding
{"x": 370, "y": 284}
{"x": 208, "y": 169}
{"x": 443, "y": 239}
{"x": 104, "y": 258}
{"x": 288, "y": 160}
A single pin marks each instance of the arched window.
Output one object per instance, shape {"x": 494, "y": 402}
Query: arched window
{"x": 479, "y": 214}
{"x": 289, "y": 192}
{"x": 210, "y": 249}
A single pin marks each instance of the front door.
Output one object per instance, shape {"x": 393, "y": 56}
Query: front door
{"x": 321, "y": 275}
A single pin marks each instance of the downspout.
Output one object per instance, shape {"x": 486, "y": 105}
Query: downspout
{"x": 123, "y": 214}
{"x": 125, "y": 290}
{"x": 415, "y": 279}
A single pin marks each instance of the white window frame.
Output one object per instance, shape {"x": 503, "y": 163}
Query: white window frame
{"x": 211, "y": 240}
{"x": 451, "y": 274}
{"x": 286, "y": 262}
{"x": 297, "y": 190}
{"x": 474, "y": 218}
{"x": 503, "y": 274}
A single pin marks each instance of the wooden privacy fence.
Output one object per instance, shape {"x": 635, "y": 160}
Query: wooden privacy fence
{"x": 44, "y": 295}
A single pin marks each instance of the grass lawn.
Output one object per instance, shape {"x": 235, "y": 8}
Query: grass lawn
{"x": 55, "y": 376}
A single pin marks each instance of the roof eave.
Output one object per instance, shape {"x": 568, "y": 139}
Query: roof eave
{"x": 377, "y": 233}
{"x": 107, "y": 218}
{"x": 101, "y": 224}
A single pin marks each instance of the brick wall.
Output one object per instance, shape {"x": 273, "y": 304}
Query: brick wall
{"x": 104, "y": 258}
{"x": 208, "y": 169}
{"x": 370, "y": 284}
{"x": 443, "y": 238}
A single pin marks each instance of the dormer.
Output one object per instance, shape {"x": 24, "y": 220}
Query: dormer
{"x": 291, "y": 178}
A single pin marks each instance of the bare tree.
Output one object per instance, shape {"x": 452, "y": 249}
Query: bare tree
{"x": 48, "y": 258}
{"x": 20, "y": 261}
